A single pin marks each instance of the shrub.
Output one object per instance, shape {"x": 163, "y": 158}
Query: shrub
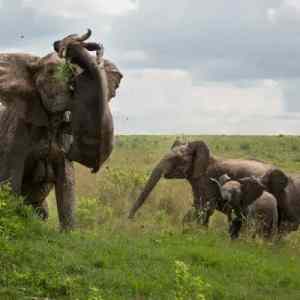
{"x": 94, "y": 294}
{"x": 14, "y": 215}
{"x": 91, "y": 212}
{"x": 188, "y": 286}
{"x": 245, "y": 146}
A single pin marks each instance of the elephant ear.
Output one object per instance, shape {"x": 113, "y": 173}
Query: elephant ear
{"x": 22, "y": 106}
{"x": 17, "y": 87}
{"x": 275, "y": 180}
{"x": 224, "y": 178}
{"x": 177, "y": 143}
{"x": 200, "y": 161}
{"x": 15, "y": 76}
{"x": 251, "y": 190}
{"x": 114, "y": 77}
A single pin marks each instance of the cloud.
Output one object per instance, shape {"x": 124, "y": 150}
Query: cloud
{"x": 287, "y": 13}
{"x": 290, "y": 90}
{"x": 79, "y": 9}
{"x": 214, "y": 40}
{"x": 190, "y": 66}
{"x": 167, "y": 101}
{"x": 272, "y": 15}
{"x": 293, "y": 4}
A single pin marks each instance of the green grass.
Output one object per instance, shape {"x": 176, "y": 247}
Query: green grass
{"x": 109, "y": 257}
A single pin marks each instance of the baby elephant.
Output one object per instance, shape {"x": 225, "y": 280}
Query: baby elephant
{"x": 246, "y": 199}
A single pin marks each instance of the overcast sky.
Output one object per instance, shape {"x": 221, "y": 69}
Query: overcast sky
{"x": 190, "y": 66}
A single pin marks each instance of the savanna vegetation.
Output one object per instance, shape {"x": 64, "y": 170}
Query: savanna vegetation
{"x": 152, "y": 257}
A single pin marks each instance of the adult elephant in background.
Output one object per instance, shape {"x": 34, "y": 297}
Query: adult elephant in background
{"x": 56, "y": 112}
{"x": 193, "y": 162}
{"x": 286, "y": 190}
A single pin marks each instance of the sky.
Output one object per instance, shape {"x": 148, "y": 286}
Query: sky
{"x": 189, "y": 66}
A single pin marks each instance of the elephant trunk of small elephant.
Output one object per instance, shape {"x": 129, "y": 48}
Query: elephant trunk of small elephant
{"x": 152, "y": 181}
{"x": 223, "y": 195}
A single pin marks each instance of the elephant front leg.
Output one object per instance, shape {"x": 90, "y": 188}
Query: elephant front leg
{"x": 65, "y": 194}
{"x": 236, "y": 225}
{"x": 204, "y": 208}
{"x": 36, "y": 195}
{"x": 234, "y": 228}
{"x": 198, "y": 204}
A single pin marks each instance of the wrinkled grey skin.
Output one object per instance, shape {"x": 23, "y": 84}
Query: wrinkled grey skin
{"x": 193, "y": 162}
{"x": 288, "y": 198}
{"x": 49, "y": 122}
{"x": 265, "y": 213}
{"x": 245, "y": 198}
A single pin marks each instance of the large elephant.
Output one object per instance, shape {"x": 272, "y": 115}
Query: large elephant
{"x": 246, "y": 199}
{"x": 193, "y": 162}
{"x": 56, "y": 112}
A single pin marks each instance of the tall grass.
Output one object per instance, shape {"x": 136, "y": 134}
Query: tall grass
{"x": 152, "y": 257}
{"x": 120, "y": 181}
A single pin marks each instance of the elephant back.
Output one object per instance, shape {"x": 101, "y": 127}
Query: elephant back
{"x": 238, "y": 168}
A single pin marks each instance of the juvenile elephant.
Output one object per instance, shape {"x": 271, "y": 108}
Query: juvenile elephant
{"x": 246, "y": 199}
{"x": 192, "y": 161}
{"x": 55, "y": 113}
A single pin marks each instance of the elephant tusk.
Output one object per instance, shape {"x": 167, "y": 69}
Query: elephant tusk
{"x": 64, "y": 52}
{"x": 84, "y": 36}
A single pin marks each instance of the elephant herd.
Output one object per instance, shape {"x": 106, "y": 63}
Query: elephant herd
{"x": 239, "y": 188}
{"x": 56, "y": 112}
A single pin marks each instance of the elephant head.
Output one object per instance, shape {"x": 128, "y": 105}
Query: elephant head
{"x": 275, "y": 180}
{"x": 31, "y": 86}
{"x": 238, "y": 194}
{"x": 184, "y": 161}
{"x": 61, "y": 46}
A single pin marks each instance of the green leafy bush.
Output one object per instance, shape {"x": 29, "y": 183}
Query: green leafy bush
{"x": 65, "y": 72}
{"x": 189, "y": 286}
{"x": 94, "y": 294}
{"x": 92, "y": 212}
{"x": 14, "y": 215}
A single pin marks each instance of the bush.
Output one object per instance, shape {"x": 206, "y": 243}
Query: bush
{"x": 91, "y": 212}
{"x": 245, "y": 146}
{"x": 187, "y": 285}
{"x": 14, "y": 215}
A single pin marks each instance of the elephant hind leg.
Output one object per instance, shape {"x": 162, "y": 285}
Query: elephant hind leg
{"x": 42, "y": 210}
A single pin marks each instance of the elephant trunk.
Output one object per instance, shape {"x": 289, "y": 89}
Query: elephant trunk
{"x": 152, "y": 181}
{"x": 91, "y": 99}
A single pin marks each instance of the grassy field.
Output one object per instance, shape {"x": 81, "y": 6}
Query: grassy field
{"x": 109, "y": 257}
